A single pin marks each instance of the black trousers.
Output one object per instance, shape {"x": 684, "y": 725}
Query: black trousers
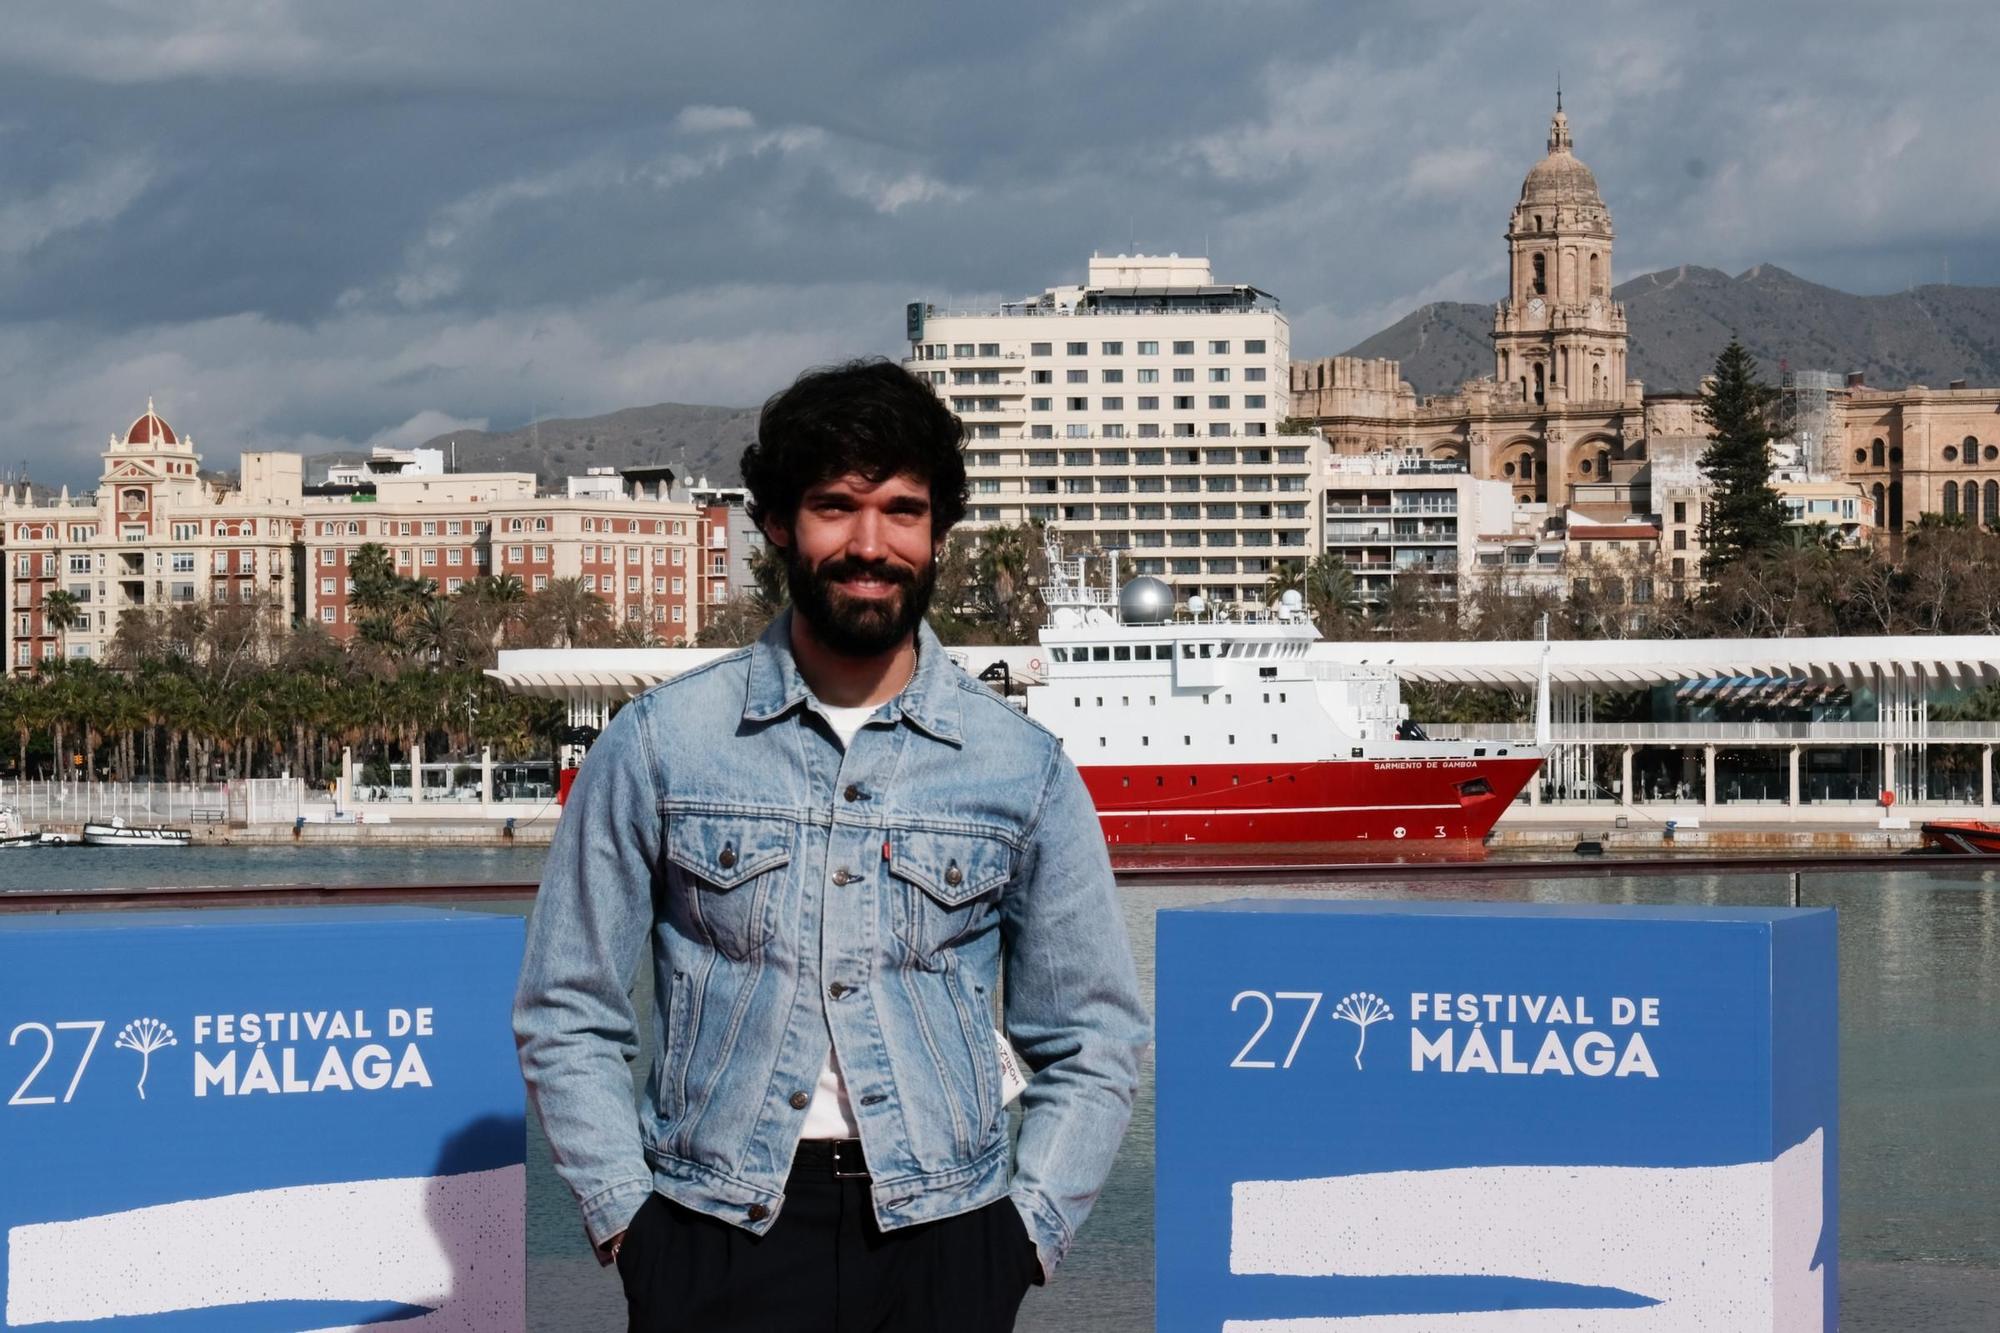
{"x": 825, "y": 1267}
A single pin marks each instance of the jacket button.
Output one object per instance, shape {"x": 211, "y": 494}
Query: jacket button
{"x": 800, "y": 1101}
{"x": 727, "y": 858}
{"x": 758, "y": 1212}
{"x": 953, "y": 876}
{"x": 843, "y": 878}
{"x": 853, "y": 792}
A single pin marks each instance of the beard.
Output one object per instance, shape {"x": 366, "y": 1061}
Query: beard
{"x": 859, "y": 626}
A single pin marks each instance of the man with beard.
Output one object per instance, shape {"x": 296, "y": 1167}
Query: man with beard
{"x": 834, "y": 841}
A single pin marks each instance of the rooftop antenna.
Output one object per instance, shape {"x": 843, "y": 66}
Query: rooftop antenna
{"x": 1559, "y": 88}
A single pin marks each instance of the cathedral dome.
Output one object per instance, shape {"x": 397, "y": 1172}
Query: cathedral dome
{"x": 1560, "y": 178}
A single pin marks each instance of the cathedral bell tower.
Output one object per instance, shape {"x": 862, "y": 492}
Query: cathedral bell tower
{"x": 1558, "y": 337}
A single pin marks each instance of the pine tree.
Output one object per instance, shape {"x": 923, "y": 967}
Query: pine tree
{"x": 1743, "y": 515}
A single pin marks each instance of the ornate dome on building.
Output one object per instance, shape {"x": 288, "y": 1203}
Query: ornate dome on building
{"x": 150, "y": 428}
{"x": 1560, "y": 178}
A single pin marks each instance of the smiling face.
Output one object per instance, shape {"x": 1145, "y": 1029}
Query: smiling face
{"x": 860, "y": 561}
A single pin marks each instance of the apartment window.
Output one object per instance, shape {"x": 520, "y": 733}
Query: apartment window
{"x": 430, "y": 556}
{"x": 1218, "y": 430}
{"x": 680, "y": 614}
{"x": 1114, "y": 431}
{"x": 1183, "y": 430}
{"x": 1077, "y": 404}
{"x": 1218, "y": 402}
{"x": 631, "y": 583}
{"x": 1041, "y": 377}
{"x": 1184, "y": 347}
{"x": 1148, "y": 375}
{"x": 680, "y": 557}
{"x": 1149, "y": 402}
{"x": 1218, "y": 375}
{"x": 1076, "y": 377}
{"x": 478, "y": 556}
{"x": 1184, "y": 374}
{"x": 541, "y": 582}
{"x": 183, "y": 562}
{"x": 1079, "y": 349}
{"x": 1150, "y": 430}
{"x": 326, "y": 615}
{"x": 1149, "y": 349}
{"x": 455, "y": 528}
{"x": 1039, "y": 349}
{"x": 326, "y": 555}
{"x": 1111, "y": 458}
{"x": 1111, "y": 349}
{"x": 1041, "y": 404}
{"x": 1218, "y": 347}
{"x": 1256, "y": 428}
{"x": 1112, "y": 404}
{"x": 541, "y": 554}
{"x": 1076, "y": 458}
{"x": 1183, "y": 402}
{"x": 1253, "y": 400}
{"x": 1041, "y": 432}
{"x": 989, "y": 349}
{"x": 679, "y": 584}
{"x": 1077, "y": 431}
{"x": 1041, "y": 458}
{"x": 1111, "y": 377}
{"x": 1253, "y": 346}
{"x": 961, "y": 349}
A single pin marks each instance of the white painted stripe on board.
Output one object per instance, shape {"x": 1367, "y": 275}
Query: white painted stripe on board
{"x": 1718, "y": 1247}
{"x": 412, "y": 1240}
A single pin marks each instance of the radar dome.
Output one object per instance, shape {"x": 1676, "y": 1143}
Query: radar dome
{"x": 1145, "y": 601}
{"x": 1197, "y": 604}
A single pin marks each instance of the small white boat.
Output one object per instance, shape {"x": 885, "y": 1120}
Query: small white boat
{"x": 118, "y": 833}
{"x": 11, "y": 832}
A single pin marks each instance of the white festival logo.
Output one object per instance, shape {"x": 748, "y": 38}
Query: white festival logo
{"x": 145, "y": 1035}
{"x": 1362, "y": 1009}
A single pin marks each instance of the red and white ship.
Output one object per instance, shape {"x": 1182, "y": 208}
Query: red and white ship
{"x": 1195, "y": 730}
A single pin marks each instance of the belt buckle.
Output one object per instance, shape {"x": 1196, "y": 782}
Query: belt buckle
{"x": 838, "y": 1172}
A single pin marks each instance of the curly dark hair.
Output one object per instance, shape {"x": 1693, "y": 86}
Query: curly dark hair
{"x": 868, "y": 416}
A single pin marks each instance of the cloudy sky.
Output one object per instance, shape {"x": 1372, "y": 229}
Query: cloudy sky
{"x": 311, "y": 225}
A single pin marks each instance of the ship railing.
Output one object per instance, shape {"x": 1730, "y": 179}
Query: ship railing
{"x": 1814, "y": 733}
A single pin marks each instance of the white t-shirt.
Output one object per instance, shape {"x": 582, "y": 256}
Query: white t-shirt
{"x": 831, "y": 1115}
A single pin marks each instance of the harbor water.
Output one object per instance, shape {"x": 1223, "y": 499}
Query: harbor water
{"x": 1919, "y": 1050}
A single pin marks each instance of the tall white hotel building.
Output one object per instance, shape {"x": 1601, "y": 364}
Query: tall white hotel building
{"x": 1139, "y": 410}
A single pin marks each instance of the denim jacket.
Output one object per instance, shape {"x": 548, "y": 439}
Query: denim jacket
{"x": 790, "y": 888}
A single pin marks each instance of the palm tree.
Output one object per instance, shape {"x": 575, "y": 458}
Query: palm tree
{"x": 1286, "y": 576}
{"x": 59, "y": 611}
{"x": 1332, "y": 594}
{"x": 565, "y": 610}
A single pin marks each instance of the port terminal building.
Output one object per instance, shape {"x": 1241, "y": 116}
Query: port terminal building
{"x": 1785, "y": 731}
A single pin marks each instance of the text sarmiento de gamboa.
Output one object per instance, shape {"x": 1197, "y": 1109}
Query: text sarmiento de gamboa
{"x": 275, "y": 1062}
{"x": 1479, "y": 1034}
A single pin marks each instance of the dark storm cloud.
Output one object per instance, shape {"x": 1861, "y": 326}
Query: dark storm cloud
{"x": 307, "y": 225}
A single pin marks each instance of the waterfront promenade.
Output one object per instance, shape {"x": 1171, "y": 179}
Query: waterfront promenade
{"x": 1919, "y": 958}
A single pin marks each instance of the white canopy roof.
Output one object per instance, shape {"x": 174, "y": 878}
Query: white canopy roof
{"x": 612, "y": 674}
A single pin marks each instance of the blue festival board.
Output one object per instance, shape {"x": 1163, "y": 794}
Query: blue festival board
{"x": 1484, "y": 1118}
{"x": 283, "y": 1119}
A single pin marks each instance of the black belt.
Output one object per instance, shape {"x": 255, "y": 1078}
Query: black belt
{"x": 840, "y": 1158}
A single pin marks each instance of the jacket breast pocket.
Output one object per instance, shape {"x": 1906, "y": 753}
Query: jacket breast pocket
{"x": 728, "y": 871}
{"x": 947, "y": 889}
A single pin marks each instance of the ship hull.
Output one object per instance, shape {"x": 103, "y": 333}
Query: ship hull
{"x": 1367, "y": 803}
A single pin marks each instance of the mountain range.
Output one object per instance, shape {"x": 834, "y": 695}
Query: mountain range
{"x": 1679, "y": 318}
{"x": 695, "y": 441}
